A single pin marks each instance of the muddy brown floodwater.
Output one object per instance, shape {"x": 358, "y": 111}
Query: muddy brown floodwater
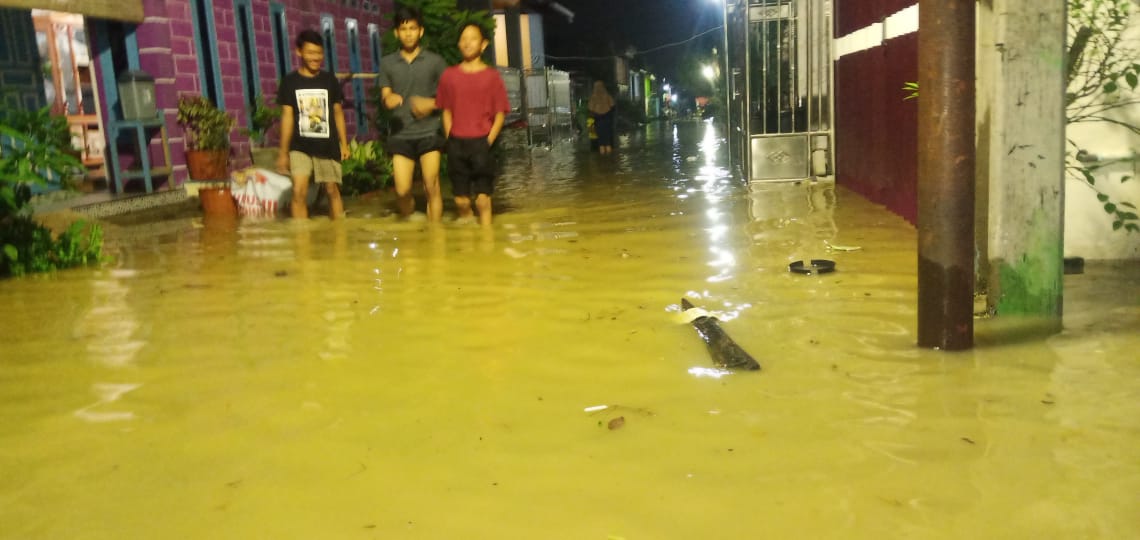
{"x": 371, "y": 378}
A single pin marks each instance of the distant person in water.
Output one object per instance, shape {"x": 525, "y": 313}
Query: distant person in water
{"x": 601, "y": 107}
{"x": 408, "y": 80}
{"x": 313, "y": 141}
{"x": 474, "y": 102}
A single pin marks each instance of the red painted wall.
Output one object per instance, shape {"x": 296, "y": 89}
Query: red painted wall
{"x": 876, "y": 130}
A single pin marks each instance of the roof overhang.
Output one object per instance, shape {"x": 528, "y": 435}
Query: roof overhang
{"x": 119, "y": 10}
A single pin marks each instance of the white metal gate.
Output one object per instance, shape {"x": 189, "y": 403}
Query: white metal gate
{"x": 779, "y": 54}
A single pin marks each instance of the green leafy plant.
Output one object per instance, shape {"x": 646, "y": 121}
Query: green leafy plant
{"x": 34, "y": 148}
{"x": 1102, "y": 75}
{"x": 912, "y": 88}
{"x": 265, "y": 114}
{"x": 367, "y": 168}
{"x": 29, "y": 247}
{"x": 40, "y": 125}
{"x": 205, "y": 126}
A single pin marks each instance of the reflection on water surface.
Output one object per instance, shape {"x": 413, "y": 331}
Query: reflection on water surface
{"x": 377, "y": 379}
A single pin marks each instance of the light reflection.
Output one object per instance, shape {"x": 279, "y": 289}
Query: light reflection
{"x": 712, "y": 373}
{"x": 107, "y": 393}
{"x": 717, "y": 232}
{"x": 110, "y": 326}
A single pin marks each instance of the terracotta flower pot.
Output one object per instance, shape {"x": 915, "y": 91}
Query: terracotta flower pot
{"x": 217, "y": 202}
{"x": 208, "y": 164}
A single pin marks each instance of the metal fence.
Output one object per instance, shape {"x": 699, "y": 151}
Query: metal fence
{"x": 541, "y": 98}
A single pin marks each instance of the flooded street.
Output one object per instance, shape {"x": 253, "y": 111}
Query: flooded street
{"x": 371, "y": 378}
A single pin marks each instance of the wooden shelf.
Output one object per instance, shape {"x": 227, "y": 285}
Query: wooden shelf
{"x": 139, "y": 133}
{"x": 133, "y": 174}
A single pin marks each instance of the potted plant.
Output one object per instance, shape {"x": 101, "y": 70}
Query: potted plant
{"x": 262, "y": 118}
{"x": 207, "y": 137}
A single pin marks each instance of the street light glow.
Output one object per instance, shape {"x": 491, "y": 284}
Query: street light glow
{"x": 708, "y": 72}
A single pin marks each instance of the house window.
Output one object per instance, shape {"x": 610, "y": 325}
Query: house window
{"x": 282, "y": 54}
{"x": 353, "y": 36}
{"x": 377, "y": 50}
{"x": 329, "y": 33}
{"x": 205, "y": 41}
{"x": 243, "y": 19}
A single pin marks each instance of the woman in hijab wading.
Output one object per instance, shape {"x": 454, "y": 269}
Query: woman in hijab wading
{"x": 601, "y": 107}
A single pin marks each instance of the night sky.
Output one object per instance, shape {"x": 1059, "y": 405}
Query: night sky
{"x": 607, "y": 27}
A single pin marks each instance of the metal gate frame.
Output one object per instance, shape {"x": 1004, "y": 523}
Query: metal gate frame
{"x": 797, "y": 142}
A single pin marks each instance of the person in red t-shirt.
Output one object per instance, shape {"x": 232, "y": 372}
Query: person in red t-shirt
{"x": 474, "y": 103}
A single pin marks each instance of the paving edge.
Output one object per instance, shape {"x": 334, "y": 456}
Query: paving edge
{"x": 127, "y": 205}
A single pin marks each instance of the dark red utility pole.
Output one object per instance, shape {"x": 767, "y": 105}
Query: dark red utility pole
{"x": 946, "y": 156}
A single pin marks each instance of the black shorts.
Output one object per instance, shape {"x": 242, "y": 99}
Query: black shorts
{"x": 470, "y": 166}
{"x": 414, "y": 148}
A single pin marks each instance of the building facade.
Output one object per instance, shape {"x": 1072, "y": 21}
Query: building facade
{"x": 231, "y": 51}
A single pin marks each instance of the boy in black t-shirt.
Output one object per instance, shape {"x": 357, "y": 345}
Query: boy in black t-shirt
{"x": 307, "y": 96}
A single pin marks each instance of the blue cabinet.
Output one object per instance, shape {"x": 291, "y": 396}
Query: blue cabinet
{"x": 138, "y": 133}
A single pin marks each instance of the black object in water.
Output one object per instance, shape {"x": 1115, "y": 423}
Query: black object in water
{"x": 817, "y": 266}
{"x": 724, "y": 351}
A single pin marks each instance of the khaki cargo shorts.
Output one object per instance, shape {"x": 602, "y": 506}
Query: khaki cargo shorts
{"x": 317, "y": 169}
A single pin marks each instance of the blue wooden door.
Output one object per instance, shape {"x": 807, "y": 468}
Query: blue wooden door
{"x": 21, "y": 75}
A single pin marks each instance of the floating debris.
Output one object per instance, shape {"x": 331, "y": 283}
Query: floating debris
{"x": 837, "y": 247}
{"x": 724, "y": 351}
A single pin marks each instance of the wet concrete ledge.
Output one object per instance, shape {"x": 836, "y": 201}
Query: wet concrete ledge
{"x": 104, "y": 204}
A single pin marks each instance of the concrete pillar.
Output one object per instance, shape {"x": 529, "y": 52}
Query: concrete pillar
{"x": 1026, "y": 145}
{"x": 514, "y": 37}
{"x": 946, "y": 146}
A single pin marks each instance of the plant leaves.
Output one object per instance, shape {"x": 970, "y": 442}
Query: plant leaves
{"x": 1088, "y": 177}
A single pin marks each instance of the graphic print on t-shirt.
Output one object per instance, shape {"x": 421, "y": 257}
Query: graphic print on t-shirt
{"x": 314, "y": 113}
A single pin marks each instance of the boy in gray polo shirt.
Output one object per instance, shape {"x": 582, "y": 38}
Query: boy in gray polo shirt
{"x": 408, "y": 79}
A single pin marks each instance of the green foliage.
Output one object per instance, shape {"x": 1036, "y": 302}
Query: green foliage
{"x": 367, "y": 168}
{"x": 912, "y": 88}
{"x": 34, "y": 147}
{"x": 443, "y": 21}
{"x": 266, "y": 113}
{"x": 1102, "y": 75}
{"x": 29, "y": 247}
{"x": 39, "y": 125}
{"x": 206, "y": 127}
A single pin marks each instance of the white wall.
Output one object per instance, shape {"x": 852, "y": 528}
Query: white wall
{"x": 1088, "y": 228}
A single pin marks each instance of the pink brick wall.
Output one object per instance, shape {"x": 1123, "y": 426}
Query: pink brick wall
{"x": 167, "y": 51}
